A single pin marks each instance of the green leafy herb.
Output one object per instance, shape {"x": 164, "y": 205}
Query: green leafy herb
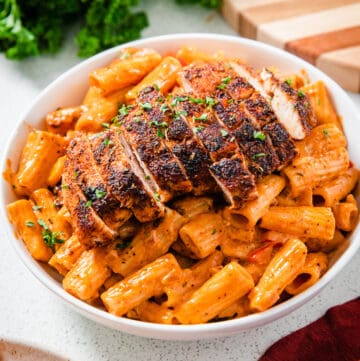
{"x": 156, "y": 87}
{"x": 223, "y": 132}
{"x": 179, "y": 113}
{"x": 88, "y": 204}
{"x": 76, "y": 174}
{"x": 160, "y": 133}
{"x": 259, "y": 155}
{"x": 50, "y": 238}
{"x": 197, "y": 100}
{"x": 105, "y": 125}
{"x": 155, "y": 123}
{"x": 199, "y": 129}
{"x": 64, "y": 186}
{"x": 145, "y": 106}
{"x": 107, "y": 142}
{"x": 29, "y": 224}
{"x": 157, "y": 197}
{"x": 259, "y": 135}
{"x": 210, "y": 101}
{"x": 288, "y": 81}
{"x": 37, "y": 208}
{"x": 123, "y": 110}
{"x": 301, "y": 94}
{"x": 99, "y": 193}
{"x": 213, "y": 231}
{"x": 164, "y": 108}
{"x": 230, "y": 101}
{"x": 147, "y": 177}
{"x": 224, "y": 83}
{"x": 178, "y": 99}
{"x": 203, "y": 117}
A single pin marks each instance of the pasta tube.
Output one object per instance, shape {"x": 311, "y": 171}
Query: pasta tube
{"x": 346, "y": 215}
{"x": 329, "y": 193}
{"x": 163, "y": 76}
{"x": 62, "y": 120}
{"x": 280, "y": 272}
{"x": 152, "y": 312}
{"x": 268, "y": 189}
{"x": 315, "y": 266}
{"x": 189, "y": 54}
{"x": 66, "y": 256}
{"x": 218, "y": 293}
{"x": 88, "y": 275}
{"x": 192, "y": 206}
{"x": 310, "y": 222}
{"x": 317, "y": 244}
{"x": 23, "y": 218}
{"x": 139, "y": 286}
{"x": 323, "y": 168}
{"x": 41, "y": 151}
{"x": 202, "y": 234}
{"x": 56, "y": 172}
{"x": 126, "y": 72}
{"x": 148, "y": 244}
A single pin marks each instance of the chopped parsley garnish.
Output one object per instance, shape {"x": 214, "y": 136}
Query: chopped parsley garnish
{"x": 210, "y": 101}
{"x": 178, "y": 114}
{"x": 65, "y": 186}
{"x": 123, "y": 245}
{"x": 99, "y": 193}
{"x": 177, "y": 100}
{"x": 37, "y": 208}
{"x": 155, "y": 123}
{"x": 202, "y": 117}
{"x": 259, "y": 135}
{"x": 199, "y": 129}
{"x": 157, "y": 197}
{"x": 230, "y": 101}
{"x": 288, "y": 81}
{"x": 137, "y": 120}
{"x": 197, "y": 100}
{"x": 139, "y": 112}
{"x": 88, "y": 204}
{"x": 76, "y": 174}
{"x": 145, "y": 106}
{"x": 107, "y": 142}
{"x": 29, "y": 224}
{"x": 50, "y": 238}
{"x": 258, "y": 155}
{"x": 213, "y": 231}
{"x": 147, "y": 177}
{"x": 224, "y": 83}
{"x": 105, "y": 125}
{"x": 301, "y": 94}
{"x": 160, "y": 133}
{"x": 123, "y": 110}
{"x": 160, "y": 99}
{"x": 164, "y": 108}
{"x": 223, "y": 132}
{"x": 156, "y": 87}
{"x": 326, "y": 133}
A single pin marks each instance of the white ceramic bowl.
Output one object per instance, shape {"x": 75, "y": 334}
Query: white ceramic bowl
{"x": 70, "y": 88}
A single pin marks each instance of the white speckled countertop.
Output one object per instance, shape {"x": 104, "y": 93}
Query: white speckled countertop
{"x": 30, "y": 313}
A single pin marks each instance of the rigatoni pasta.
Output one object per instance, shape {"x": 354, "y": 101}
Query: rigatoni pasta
{"x": 203, "y": 260}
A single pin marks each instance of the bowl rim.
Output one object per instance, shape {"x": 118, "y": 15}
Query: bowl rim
{"x": 164, "y": 331}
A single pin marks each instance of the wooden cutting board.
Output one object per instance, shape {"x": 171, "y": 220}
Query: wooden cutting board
{"x": 324, "y": 32}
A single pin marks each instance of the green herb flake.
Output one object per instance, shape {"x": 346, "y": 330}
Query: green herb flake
{"x": 210, "y": 101}
{"x": 197, "y": 100}
{"x": 156, "y": 87}
{"x": 51, "y": 238}
{"x": 223, "y": 132}
{"x": 29, "y": 224}
{"x": 177, "y": 100}
{"x": 107, "y": 142}
{"x": 259, "y": 135}
{"x": 65, "y": 186}
{"x": 157, "y": 197}
{"x": 123, "y": 110}
{"x": 147, "y": 177}
{"x": 76, "y": 174}
{"x": 259, "y": 155}
{"x": 178, "y": 114}
{"x": 199, "y": 129}
{"x": 230, "y": 101}
{"x": 99, "y": 193}
{"x": 145, "y": 106}
{"x": 164, "y": 108}
{"x": 301, "y": 94}
{"x": 326, "y": 133}
{"x": 160, "y": 133}
{"x": 288, "y": 81}
{"x": 137, "y": 120}
{"x": 88, "y": 204}
{"x": 37, "y": 208}
{"x": 213, "y": 231}
{"x": 42, "y": 223}
{"x": 105, "y": 125}
{"x": 203, "y": 117}
{"x": 226, "y": 80}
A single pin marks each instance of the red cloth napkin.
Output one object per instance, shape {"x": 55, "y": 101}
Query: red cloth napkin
{"x": 333, "y": 337}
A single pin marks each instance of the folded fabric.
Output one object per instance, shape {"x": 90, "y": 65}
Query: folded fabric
{"x": 333, "y": 337}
